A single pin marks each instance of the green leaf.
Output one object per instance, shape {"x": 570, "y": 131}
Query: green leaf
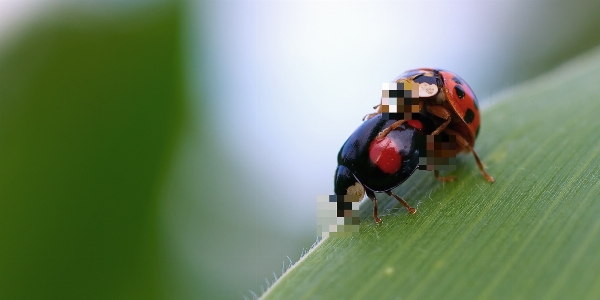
{"x": 91, "y": 105}
{"x": 534, "y": 234}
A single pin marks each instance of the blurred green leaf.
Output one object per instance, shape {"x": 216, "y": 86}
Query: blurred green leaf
{"x": 90, "y": 109}
{"x": 534, "y": 234}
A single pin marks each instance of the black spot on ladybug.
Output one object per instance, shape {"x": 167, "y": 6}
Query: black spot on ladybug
{"x": 477, "y": 131}
{"x": 459, "y": 91}
{"x": 456, "y": 80}
{"x": 469, "y": 116}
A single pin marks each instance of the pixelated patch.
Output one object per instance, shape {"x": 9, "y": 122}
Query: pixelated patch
{"x": 400, "y": 116}
{"x": 400, "y": 97}
{"x": 440, "y": 153}
{"x": 338, "y": 215}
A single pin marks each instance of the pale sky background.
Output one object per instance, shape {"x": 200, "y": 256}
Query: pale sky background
{"x": 16, "y": 12}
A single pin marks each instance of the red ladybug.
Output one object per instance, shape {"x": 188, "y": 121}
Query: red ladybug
{"x": 445, "y": 99}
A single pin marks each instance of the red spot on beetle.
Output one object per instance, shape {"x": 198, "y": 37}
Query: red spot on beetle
{"x": 385, "y": 154}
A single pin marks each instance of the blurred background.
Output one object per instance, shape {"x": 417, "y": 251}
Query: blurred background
{"x": 175, "y": 149}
